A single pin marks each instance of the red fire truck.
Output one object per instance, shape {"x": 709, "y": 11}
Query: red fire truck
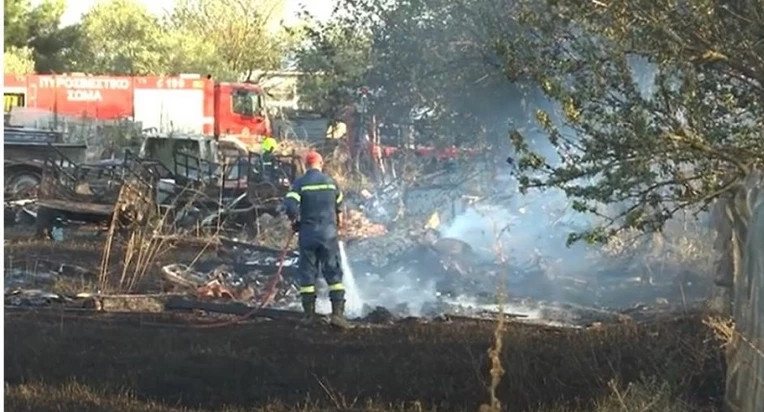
{"x": 186, "y": 104}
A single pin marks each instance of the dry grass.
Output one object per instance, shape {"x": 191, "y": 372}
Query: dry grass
{"x": 38, "y": 397}
{"x": 494, "y": 353}
{"x": 644, "y": 396}
{"x": 497, "y": 370}
{"x": 647, "y": 395}
{"x": 146, "y": 238}
{"x": 72, "y": 286}
{"x": 73, "y": 396}
{"x": 723, "y": 328}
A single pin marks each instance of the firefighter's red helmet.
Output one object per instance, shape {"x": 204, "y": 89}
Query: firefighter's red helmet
{"x": 313, "y": 158}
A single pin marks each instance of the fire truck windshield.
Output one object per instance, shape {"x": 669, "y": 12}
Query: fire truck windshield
{"x": 246, "y": 102}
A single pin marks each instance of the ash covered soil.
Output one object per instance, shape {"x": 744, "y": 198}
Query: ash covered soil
{"x": 87, "y": 361}
{"x": 266, "y": 363}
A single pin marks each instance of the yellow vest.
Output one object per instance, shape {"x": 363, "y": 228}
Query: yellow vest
{"x": 269, "y": 144}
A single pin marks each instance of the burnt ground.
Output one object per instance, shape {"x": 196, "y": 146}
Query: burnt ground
{"x": 440, "y": 365}
{"x": 66, "y": 361}
{"x": 84, "y": 248}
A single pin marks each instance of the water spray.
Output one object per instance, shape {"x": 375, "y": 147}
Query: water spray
{"x": 353, "y": 300}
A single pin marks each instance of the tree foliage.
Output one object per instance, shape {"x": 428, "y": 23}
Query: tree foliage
{"x": 122, "y": 37}
{"x": 187, "y": 52}
{"x": 431, "y": 64}
{"x": 640, "y": 108}
{"x": 18, "y": 60}
{"x": 15, "y": 22}
{"x": 335, "y": 59}
{"x": 242, "y": 33}
{"x": 37, "y": 28}
{"x": 659, "y": 104}
{"x": 225, "y": 38}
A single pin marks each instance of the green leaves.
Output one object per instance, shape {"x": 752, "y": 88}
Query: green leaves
{"x": 121, "y": 37}
{"x": 244, "y": 35}
{"x": 336, "y": 60}
{"x": 37, "y": 29}
{"x": 654, "y": 149}
{"x": 16, "y": 21}
{"x": 18, "y": 60}
{"x": 433, "y": 63}
{"x": 225, "y": 38}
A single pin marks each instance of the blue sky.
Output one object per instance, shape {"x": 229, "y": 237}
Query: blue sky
{"x": 75, "y": 8}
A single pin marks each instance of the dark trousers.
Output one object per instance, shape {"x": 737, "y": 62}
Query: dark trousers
{"x": 268, "y": 166}
{"x": 320, "y": 256}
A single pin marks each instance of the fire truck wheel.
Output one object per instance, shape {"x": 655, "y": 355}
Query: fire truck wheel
{"x": 23, "y": 182}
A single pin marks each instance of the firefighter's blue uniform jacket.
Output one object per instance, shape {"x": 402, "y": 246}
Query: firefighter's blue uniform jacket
{"x": 314, "y": 200}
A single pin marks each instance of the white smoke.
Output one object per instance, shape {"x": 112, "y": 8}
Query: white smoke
{"x": 400, "y": 291}
{"x": 529, "y": 231}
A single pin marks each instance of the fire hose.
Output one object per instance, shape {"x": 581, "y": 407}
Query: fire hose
{"x": 272, "y": 287}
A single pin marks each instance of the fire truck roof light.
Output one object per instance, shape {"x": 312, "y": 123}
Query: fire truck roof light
{"x": 190, "y": 76}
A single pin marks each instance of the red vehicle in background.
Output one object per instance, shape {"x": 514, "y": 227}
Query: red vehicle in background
{"x": 185, "y": 104}
{"x": 364, "y": 140}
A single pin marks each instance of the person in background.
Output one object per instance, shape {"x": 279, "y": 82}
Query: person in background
{"x": 338, "y": 130}
{"x": 268, "y": 156}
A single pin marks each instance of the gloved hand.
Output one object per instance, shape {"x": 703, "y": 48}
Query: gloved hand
{"x": 295, "y": 226}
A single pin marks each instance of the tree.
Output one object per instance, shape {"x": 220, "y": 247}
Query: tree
{"x": 690, "y": 134}
{"x": 335, "y": 59}
{"x": 37, "y": 28}
{"x": 431, "y": 63}
{"x": 56, "y": 52}
{"x": 241, "y": 33}
{"x": 189, "y": 53}
{"x": 122, "y": 37}
{"x": 684, "y": 136}
{"x": 18, "y": 60}
{"x": 15, "y": 22}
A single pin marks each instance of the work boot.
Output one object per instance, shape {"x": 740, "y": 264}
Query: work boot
{"x": 338, "y": 315}
{"x": 309, "y": 308}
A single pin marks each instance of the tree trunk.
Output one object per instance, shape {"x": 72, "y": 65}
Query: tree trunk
{"x": 743, "y": 261}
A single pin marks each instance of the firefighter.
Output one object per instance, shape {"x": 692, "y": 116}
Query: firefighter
{"x": 268, "y": 155}
{"x": 269, "y": 145}
{"x": 313, "y": 205}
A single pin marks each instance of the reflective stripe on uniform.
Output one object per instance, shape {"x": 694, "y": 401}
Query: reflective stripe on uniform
{"x": 340, "y": 197}
{"x": 307, "y": 289}
{"x": 293, "y": 195}
{"x": 336, "y": 286}
{"x": 326, "y": 186}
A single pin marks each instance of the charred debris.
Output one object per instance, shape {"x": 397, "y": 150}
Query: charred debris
{"x": 181, "y": 188}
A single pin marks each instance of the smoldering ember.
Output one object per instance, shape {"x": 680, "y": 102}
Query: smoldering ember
{"x": 383, "y": 205}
